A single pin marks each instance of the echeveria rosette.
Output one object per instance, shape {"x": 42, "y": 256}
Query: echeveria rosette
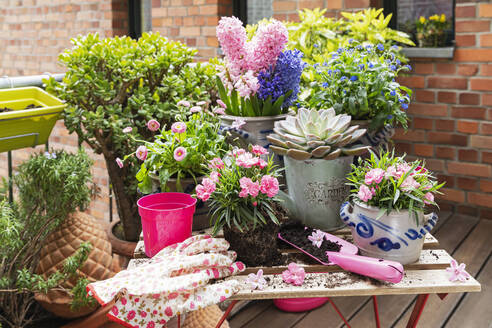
{"x": 241, "y": 190}
{"x": 390, "y": 183}
{"x": 283, "y": 79}
{"x": 361, "y": 81}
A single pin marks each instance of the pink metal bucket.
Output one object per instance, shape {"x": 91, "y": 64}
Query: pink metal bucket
{"x": 166, "y": 219}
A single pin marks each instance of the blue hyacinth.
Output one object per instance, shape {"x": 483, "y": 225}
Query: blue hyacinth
{"x": 284, "y": 77}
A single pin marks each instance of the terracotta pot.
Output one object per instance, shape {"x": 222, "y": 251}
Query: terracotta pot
{"x": 120, "y": 246}
{"x": 62, "y": 243}
{"x": 201, "y": 219}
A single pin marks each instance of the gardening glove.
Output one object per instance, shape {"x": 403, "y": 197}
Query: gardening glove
{"x": 174, "y": 281}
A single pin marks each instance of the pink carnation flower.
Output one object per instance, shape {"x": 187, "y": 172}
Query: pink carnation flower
{"x": 205, "y": 189}
{"x": 248, "y": 187}
{"x": 374, "y": 176}
{"x": 261, "y": 163}
{"x": 178, "y": 127}
{"x": 153, "y": 125}
{"x": 237, "y": 152}
{"x": 141, "y": 153}
{"x": 294, "y": 275}
{"x": 246, "y": 160}
{"x": 269, "y": 185}
{"x": 216, "y": 163}
{"x": 214, "y": 176}
{"x": 364, "y": 193}
{"x": 409, "y": 184}
{"x": 429, "y": 198}
{"x": 258, "y": 150}
{"x": 128, "y": 129}
{"x": 179, "y": 154}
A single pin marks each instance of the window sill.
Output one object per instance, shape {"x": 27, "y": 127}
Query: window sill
{"x": 445, "y": 52}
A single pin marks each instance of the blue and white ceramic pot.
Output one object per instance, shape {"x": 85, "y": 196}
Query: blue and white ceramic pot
{"x": 397, "y": 236}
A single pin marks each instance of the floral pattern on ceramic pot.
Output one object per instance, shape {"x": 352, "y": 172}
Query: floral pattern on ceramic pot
{"x": 175, "y": 281}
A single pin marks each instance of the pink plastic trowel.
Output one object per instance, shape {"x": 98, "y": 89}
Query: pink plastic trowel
{"x": 347, "y": 259}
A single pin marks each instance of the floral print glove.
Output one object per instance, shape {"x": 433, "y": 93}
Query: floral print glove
{"x": 174, "y": 281}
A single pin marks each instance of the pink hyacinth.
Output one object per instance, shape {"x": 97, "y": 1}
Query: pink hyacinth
{"x": 216, "y": 163}
{"x": 374, "y": 176}
{"x": 429, "y": 198}
{"x": 184, "y": 103}
{"x": 205, "y": 189}
{"x": 238, "y": 123}
{"x": 256, "y": 280}
{"x": 247, "y": 85}
{"x": 269, "y": 41}
{"x": 364, "y": 193}
{"x": 269, "y": 185}
{"x": 119, "y": 162}
{"x": 248, "y": 187}
{"x": 141, "y": 153}
{"x": 294, "y": 275}
{"x": 457, "y": 272}
{"x": 258, "y": 150}
{"x": 179, "y": 154}
{"x": 221, "y": 103}
{"x": 178, "y": 127}
{"x": 317, "y": 238}
{"x": 128, "y": 129}
{"x": 232, "y": 38}
{"x": 153, "y": 125}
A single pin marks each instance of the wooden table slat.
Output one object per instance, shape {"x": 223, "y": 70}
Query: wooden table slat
{"x": 346, "y": 284}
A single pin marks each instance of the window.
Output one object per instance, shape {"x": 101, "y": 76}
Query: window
{"x": 406, "y": 12}
{"x": 252, "y": 11}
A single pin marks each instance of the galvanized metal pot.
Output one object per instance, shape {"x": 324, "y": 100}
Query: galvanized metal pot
{"x": 397, "y": 236}
{"x": 254, "y": 131}
{"x": 316, "y": 190}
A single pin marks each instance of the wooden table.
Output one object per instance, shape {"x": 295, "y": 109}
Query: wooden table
{"x": 426, "y": 276}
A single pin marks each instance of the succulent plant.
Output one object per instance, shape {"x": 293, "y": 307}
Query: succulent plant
{"x": 318, "y": 134}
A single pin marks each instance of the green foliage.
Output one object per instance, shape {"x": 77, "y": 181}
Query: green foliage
{"x": 360, "y": 81}
{"x": 50, "y": 186}
{"x": 120, "y": 82}
{"x": 317, "y": 36}
{"x": 202, "y": 142}
{"x": 405, "y": 186}
{"x": 4, "y": 188}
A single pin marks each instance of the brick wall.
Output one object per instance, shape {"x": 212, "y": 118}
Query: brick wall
{"x": 287, "y": 10}
{"x": 192, "y": 22}
{"x": 34, "y": 32}
{"x": 451, "y": 114}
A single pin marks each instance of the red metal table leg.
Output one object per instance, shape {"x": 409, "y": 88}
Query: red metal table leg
{"x": 226, "y": 313}
{"x": 376, "y": 311}
{"x": 179, "y": 320}
{"x": 417, "y": 310}
{"x": 338, "y": 312}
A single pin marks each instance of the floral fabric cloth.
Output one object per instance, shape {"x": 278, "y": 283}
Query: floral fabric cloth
{"x": 176, "y": 280}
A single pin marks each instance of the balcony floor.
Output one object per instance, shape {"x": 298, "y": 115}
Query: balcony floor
{"x": 467, "y": 239}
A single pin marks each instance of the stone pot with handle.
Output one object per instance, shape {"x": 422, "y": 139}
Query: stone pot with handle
{"x": 398, "y": 236}
{"x": 316, "y": 189}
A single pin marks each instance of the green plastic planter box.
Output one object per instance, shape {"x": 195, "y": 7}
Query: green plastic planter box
{"x": 21, "y": 127}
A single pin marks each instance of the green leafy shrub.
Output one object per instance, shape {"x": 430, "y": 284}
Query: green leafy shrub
{"x": 115, "y": 83}
{"x": 317, "y": 35}
{"x": 50, "y": 187}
